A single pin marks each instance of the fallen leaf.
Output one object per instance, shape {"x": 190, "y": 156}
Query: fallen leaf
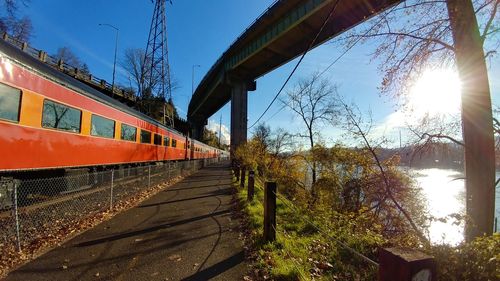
{"x": 175, "y": 257}
{"x": 324, "y": 265}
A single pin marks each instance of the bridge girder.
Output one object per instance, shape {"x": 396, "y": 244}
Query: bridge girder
{"x": 281, "y": 34}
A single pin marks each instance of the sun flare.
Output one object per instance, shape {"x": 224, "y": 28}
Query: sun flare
{"x": 436, "y": 92}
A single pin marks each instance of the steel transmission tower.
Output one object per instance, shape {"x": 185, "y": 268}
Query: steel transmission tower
{"x": 157, "y": 72}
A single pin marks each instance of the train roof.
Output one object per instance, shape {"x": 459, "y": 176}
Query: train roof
{"x": 65, "y": 80}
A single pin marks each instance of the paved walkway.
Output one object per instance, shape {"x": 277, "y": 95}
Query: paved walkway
{"x": 185, "y": 232}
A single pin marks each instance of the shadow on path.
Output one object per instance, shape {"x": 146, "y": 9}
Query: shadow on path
{"x": 217, "y": 268}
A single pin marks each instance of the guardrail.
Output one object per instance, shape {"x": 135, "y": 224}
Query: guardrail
{"x": 70, "y": 70}
{"x": 36, "y": 209}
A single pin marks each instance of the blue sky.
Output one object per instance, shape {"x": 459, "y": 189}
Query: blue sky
{"x": 198, "y": 32}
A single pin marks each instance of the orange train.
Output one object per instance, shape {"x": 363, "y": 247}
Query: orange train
{"x": 50, "y": 121}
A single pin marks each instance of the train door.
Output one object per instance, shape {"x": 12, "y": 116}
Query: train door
{"x": 192, "y": 148}
{"x": 186, "y": 149}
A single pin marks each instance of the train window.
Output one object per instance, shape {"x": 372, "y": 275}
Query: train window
{"x": 166, "y": 141}
{"x": 157, "y": 139}
{"x": 62, "y": 117}
{"x": 129, "y": 133}
{"x": 145, "y": 136}
{"x": 174, "y": 143}
{"x": 10, "y": 102}
{"x": 102, "y": 127}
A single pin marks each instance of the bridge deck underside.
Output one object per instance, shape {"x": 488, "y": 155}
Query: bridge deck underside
{"x": 248, "y": 62}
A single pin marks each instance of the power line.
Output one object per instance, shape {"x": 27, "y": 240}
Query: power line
{"x": 290, "y": 205}
{"x": 319, "y": 75}
{"x": 298, "y": 63}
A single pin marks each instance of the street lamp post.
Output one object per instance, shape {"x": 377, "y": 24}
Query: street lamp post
{"x": 114, "y": 63}
{"x": 192, "y": 78}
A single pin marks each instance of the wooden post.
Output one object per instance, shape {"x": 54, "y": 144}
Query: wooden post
{"x": 243, "y": 175}
{"x": 42, "y": 55}
{"x": 237, "y": 173}
{"x": 251, "y": 183}
{"x": 270, "y": 211}
{"x": 402, "y": 264}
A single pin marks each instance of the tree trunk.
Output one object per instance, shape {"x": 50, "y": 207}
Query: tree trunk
{"x": 311, "y": 141}
{"x": 477, "y": 122}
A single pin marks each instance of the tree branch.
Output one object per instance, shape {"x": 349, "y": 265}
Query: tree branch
{"x": 490, "y": 21}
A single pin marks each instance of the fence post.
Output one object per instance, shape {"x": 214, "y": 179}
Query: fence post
{"x": 237, "y": 173}
{"x": 149, "y": 176}
{"x": 270, "y": 211}
{"x": 111, "y": 189}
{"x": 403, "y": 264}
{"x": 251, "y": 183}
{"x": 16, "y": 216}
{"x": 243, "y": 174}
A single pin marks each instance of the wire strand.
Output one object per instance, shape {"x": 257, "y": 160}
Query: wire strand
{"x": 298, "y": 63}
{"x": 322, "y": 72}
{"x": 289, "y": 204}
{"x": 294, "y": 262}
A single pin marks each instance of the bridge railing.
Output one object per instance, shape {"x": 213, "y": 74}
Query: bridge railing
{"x": 219, "y": 60}
{"x": 70, "y": 70}
{"x": 36, "y": 212}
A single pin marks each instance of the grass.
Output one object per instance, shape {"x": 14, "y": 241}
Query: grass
{"x": 300, "y": 251}
{"x": 287, "y": 257}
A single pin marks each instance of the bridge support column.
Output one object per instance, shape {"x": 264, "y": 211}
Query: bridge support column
{"x": 197, "y": 126}
{"x": 197, "y": 131}
{"x": 239, "y": 106}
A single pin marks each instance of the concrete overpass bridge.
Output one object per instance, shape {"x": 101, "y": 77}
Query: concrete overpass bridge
{"x": 283, "y": 32}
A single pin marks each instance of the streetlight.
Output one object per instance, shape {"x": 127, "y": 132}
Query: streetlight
{"x": 192, "y": 78}
{"x": 114, "y": 63}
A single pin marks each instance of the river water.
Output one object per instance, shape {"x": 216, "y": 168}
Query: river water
{"x": 445, "y": 193}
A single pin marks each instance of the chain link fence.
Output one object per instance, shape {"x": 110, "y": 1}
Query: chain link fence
{"x": 37, "y": 209}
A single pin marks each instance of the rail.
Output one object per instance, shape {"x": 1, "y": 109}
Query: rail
{"x": 70, "y": 70}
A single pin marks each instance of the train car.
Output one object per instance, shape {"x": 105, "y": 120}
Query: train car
{"x": 201, "y": 150}
{"x": 51, "y": 121}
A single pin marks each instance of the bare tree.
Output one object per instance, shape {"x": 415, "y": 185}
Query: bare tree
{"x": 66, "y": 55}
{"x": 134, "y": 64}
{"x": 313, "y": 101}
{"x": 417, "y": 34}
{"x": 354, "y": 124}
{"x": 19, "y": 28}
{"x": 262, "y": 134}
{"x": 281, "y": 141}
{"x": 454, "y": 33}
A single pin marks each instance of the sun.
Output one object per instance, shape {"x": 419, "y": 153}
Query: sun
{"x": 436, "y": 92}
